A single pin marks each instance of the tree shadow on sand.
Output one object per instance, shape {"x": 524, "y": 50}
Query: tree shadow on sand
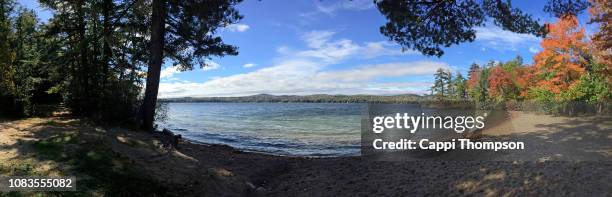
{"x": 563, "y": 158}
{"x": 63, "y": 146}
{"x": 566, "y": 158}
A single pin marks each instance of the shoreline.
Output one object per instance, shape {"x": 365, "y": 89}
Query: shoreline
{"x": 516, "y": 123}
{"x": 195, "y": 142}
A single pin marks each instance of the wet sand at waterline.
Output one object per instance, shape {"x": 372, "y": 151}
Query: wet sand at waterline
{"x": 196, "y": 169}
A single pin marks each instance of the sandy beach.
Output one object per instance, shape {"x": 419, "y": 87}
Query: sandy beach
{"x": 205, "y": 170}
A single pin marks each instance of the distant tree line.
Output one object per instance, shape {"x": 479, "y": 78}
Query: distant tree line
{"x": 319, "y": 98}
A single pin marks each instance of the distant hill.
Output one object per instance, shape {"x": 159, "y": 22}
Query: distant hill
{"x": 317, "y": 98}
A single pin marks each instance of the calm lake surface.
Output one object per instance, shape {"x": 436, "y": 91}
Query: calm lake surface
{"x": 304, "y": 129}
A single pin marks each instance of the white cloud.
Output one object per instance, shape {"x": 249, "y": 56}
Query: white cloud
{"x": 306, "y": 77}
{"x": 375, "y": 49}
{"x": 237, "y": 27}
{"x": 358, "y": 4}
{"x": 369, "y": 72}
{"x": 305, "y": 71}
{"x": 316, "y": 39}
{"x": 321, "y": 46}
{"x": 283, "y": 50}
{"x": 332, "y": 51}
{"x": 498, "y": 38}
{"x": 210, "y": 65}
{"x": 169, "y": 72}
{"x": 534, "y": 49}
{"x": 332, "y": 6}
{"x": 249, "y": 65}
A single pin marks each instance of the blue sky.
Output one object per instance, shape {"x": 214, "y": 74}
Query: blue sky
{"x": 330, "y": 47}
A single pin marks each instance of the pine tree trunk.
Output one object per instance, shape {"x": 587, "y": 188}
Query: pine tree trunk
{"x": 155, "y": 63}
{"x": 107, "y": 53}
{"x": 83, "y": 86}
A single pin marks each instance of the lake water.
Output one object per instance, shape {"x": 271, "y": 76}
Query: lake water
{"x": 304, "y": 129}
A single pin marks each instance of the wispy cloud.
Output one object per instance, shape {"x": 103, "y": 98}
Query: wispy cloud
{"x": 237, "y": 27}
{"x": 169, "y": 72}
{"x": 210, "y": 65}
{"x": 330, "y": 7}
{"x": 370, "y": 72}
{"x": 316, "y": 39}
{"x": 306, "y": 72}
{"x": 321, "y": 46}
{"x": 497, "y": 38}
{"x": 249, "y": 65}
{"x": 331, "y": 51}
{"x": 303, "y": 77}
{"x": 534, "y": 49}
{"x": 375, "y": 49}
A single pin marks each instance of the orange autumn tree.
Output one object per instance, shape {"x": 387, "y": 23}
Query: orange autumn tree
{"x": 601, "y": 14}
{"x": 500, "y": 82}
{"x": 561, "y": 63}
{"x": 503, "y": 80}
{"x": 473, "y": 78}
{"x": 525, "y": 78}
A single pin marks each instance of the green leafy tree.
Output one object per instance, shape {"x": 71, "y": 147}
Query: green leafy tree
{"x": 28, "y": 75}
{"x": 21, "y": 72}
{"x": 478, "y": 84}
{"x": 591, "y": 87}
{"x": 97, "y": 50}
{"x": 7, "y": 70}
{"x": 460, "y": 86}
{"x": 441, "y": 87}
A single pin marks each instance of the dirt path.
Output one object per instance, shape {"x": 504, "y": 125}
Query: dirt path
{"x": 62, "y": 146}
{"x": 16, "y": 152}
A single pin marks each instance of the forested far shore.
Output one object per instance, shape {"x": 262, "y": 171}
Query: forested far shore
{"x": 319, "y": 98}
